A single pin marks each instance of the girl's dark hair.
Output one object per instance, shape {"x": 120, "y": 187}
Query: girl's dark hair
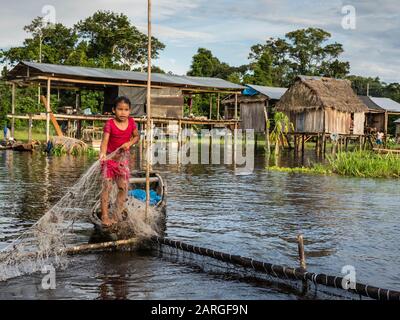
{"x": 123, "y": 100}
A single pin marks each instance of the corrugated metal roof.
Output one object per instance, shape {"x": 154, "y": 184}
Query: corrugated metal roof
{"x": 397, "y": 121}
{"x": 387, "y": 104}
{"x": 370, "y": 104}
{"x": 165, "y": 79}
{"x": 271, "y": 92}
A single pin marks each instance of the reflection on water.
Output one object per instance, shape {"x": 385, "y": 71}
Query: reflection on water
{"x": 345, "y": 221}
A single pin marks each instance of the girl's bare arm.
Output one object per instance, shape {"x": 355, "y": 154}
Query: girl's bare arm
{"x": 103, "y": 146}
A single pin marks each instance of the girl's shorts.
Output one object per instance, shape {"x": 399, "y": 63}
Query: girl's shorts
{"x": 112, "y": 169}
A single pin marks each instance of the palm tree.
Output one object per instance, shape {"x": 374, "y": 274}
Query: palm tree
{"x": 282, "y": 127}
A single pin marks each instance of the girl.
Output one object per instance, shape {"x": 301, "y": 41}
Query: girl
{"x": 120, "y": 134}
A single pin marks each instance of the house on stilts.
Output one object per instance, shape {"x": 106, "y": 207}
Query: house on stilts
{"x": 323, "y": 108}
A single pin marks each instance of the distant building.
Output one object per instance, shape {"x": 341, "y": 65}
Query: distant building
{"x": 379, "y": 110}
{"x": 397, "y": 123}
{"x": 318, "y": 105}
{"x": 252, "y": 104}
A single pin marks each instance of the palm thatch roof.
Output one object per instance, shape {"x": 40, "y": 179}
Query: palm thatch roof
{"x": 313, "y": 93}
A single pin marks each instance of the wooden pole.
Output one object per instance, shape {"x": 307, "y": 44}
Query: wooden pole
{"x": 267, "y": 142}
{"x": 386, "y": 126}
{"x": 13, "y": 110}
{"x": 302, "y": 258}
{"x": 48, "y": 110}
{"x": 53, "y": 119}
{"x": 218, "y": 105}
{"x": 30, "y": 128}
{"x": 211, "y": 106}
{"x": 148, "y": 127}
{"x": 236, "y": 106}
{"x": 179, "y": 135}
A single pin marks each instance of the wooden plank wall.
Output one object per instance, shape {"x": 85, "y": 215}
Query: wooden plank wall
{"x": 359, "y": 121}
{"x": 167, "y": 102}
{"x": 337, "y": 121}
{"x": 308, "y": 121}
{"x": 252, "y": 116}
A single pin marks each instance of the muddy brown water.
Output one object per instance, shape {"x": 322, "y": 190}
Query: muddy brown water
{"x": 345, "y": 221}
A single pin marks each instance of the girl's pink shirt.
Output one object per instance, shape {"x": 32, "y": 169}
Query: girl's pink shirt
{"x": 117, "y": 136}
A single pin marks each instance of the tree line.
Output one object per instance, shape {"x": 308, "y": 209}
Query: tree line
{"x": 110, "y": 40}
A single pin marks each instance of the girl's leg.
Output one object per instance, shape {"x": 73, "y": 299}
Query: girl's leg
{"x": 122, "y": 195}
{"x": 105, "y": 199}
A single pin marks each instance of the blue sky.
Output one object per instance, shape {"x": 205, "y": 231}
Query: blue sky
{"x": 230, "y": 28}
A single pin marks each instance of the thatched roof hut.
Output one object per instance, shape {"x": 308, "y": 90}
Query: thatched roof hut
{"x": 323, "y": 105}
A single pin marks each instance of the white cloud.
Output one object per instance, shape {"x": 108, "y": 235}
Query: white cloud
{"x": 230, "y": 27}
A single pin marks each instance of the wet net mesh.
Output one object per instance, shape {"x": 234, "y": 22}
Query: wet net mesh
{"x": 45, "y": 242}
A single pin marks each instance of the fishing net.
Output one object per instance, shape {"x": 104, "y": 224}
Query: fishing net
{"x": 45, "y": 242}
{"x": 69, "y": 145}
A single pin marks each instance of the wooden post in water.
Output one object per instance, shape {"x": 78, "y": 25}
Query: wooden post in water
{"x": 148, "y": 127}
{"x": 302, "y": 258}
{"x": 13, "y": 111}
{"x": 48, "y": 110}
{"x": 30, "y": 129}
{"x": 179, "y": 135}
{"x": 267, "y": 146}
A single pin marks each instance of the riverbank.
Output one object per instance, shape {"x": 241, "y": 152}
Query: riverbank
{"x": 364, "y": 164}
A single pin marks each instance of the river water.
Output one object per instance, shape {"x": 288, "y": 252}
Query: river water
{"x": 345, "y": 221}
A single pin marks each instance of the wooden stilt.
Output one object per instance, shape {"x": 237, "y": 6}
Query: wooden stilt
{"x": 218, "y": 105}
{"x": 211, "y": 107}
{"x": 30, "y": 129}
{"x": 267, "y": 142}
{"x": 48, "y": 109}
{"x": 13, "y": 110}
{"x": 302, "y": 145}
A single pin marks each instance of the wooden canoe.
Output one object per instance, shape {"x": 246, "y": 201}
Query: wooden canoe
{"x": 120, "y": 231}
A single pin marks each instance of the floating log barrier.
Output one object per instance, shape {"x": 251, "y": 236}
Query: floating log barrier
{"x": 102, "y": 246}
{"x": 277, "y": 271}
{"x": 282, "y": 272}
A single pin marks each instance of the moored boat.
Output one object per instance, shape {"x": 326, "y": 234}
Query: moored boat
{"x": 137, "y": 185}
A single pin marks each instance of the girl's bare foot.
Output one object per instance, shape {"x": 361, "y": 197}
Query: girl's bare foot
{"x": 107, "y": 222}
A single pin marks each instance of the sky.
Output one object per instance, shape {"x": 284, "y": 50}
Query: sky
{"x": 369, "y": 30}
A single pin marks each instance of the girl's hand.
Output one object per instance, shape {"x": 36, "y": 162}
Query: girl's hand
{"x": 102, "y": 156}
{"x": 126, "y": 146}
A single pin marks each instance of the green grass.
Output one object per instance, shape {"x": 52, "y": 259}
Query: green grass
{"x": 365, "y": 164}
{"x": 316, "y": 169}
{"x": 60, "y": 151}
{"x": 22, "y": 135}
